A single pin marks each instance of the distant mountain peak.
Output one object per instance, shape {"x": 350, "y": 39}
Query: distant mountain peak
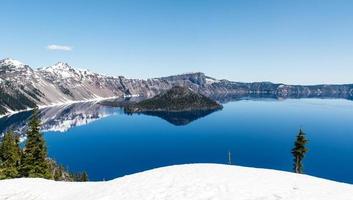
{"x": 59, "y": 66}
{"x": 61, "y": 70}
{"x": 12, "y": 62}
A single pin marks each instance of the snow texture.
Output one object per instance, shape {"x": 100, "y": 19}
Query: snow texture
{"x": 10, "y": 61}
{"x": 185, "y": 182}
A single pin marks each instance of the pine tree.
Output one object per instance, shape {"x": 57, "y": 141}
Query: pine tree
{"x": 10, "y": 155}
{"x": 34, "y": 160}
{"x": 299, "y": 152}
{"x": 84, "y": 177}
{"x": 58, "y": 174}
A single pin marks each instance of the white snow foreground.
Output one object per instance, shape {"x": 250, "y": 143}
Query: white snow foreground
{"x": 185, "y": 182}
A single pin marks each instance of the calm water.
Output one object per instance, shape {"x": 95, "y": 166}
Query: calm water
{"x": 258, "y": 133}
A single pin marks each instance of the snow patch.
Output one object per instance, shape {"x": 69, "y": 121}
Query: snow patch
{"x": 211, "y": 80}
{"x": 10, "y": 61}
{"x": 185, "y": 182}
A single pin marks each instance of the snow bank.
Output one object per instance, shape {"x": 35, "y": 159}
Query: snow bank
{"x": 184, "y": 182}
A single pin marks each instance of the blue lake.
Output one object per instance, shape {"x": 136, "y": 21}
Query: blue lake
{"x": 258, "y": 133}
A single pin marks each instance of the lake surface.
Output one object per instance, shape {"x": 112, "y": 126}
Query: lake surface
{"x": 107, "y": 143}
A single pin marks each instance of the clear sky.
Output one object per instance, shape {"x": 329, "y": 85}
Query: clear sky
{"x": 288, "y": 41}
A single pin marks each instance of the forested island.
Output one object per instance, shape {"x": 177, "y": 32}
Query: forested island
{"x": 177, "y": 99}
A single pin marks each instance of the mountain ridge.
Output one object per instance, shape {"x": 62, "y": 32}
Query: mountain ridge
{"x": 22, "y": 87}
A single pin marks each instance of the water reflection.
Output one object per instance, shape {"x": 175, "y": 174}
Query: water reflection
{"x": 58, "y": 118}
{"x": 62, "y": 118}
{"x": 181, "y": 118}
{"x": 225, "y": 98}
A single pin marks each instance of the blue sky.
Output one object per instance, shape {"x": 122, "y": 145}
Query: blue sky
{"x": 297, "y": 42}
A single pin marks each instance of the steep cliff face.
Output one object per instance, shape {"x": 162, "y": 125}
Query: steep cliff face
{"x": 22, "y": 87}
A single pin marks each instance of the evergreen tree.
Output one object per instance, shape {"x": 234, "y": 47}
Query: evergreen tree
{"x": 299, "y": 152}
{"x": 34, "y": 160}
{"x": 79, "y": 177}
{"x": 84, "y": 177}
{"x": 10, "y": 155}
{"x": 58, "y": 173}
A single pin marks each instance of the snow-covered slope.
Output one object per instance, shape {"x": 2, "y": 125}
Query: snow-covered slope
{"x": 185, "y": 182}
{"x": 23, "y": 87}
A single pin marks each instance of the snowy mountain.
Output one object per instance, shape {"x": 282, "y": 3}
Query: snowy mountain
{"x": 22, "y": 87}
{"x": 187, "y": 182}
